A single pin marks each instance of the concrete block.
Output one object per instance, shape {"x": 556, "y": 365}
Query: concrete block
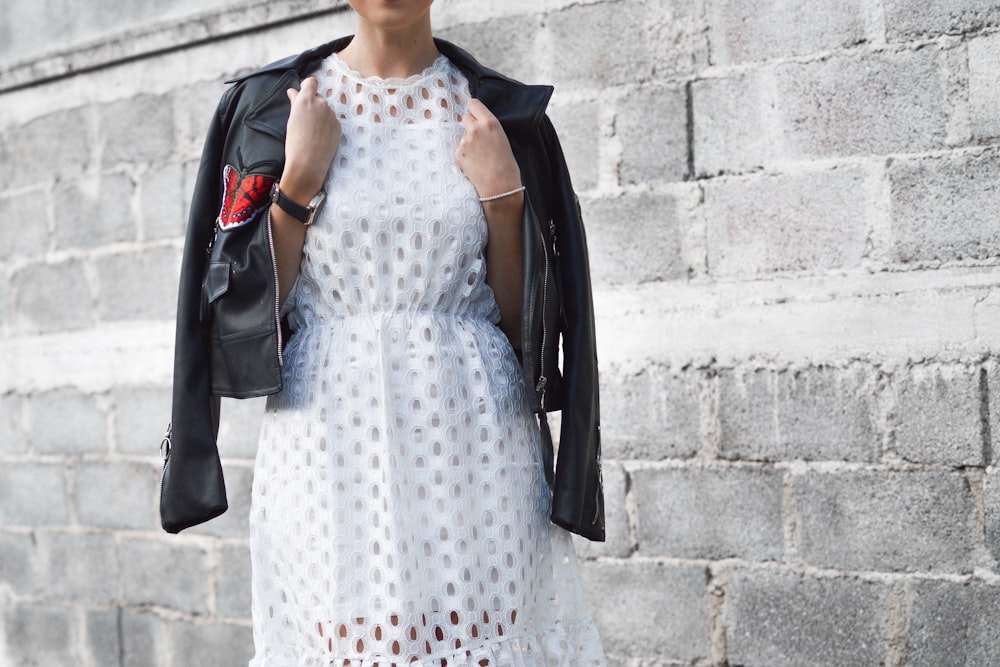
{"x": 138, "y": 285}
{"x": 952, "y": 623}
{"x": 913, "y": 521}
{"x": 991, "y": 510}
{"x": 235, "y": 522}
{"x": 194, "y": 107}
{"x": 819, "y": 413}
{"x": 649, "y": 609}
{"x": 143, "y": 642}
{"x": 24, "y": 225}
{"x": 578, "y": 126}
{"x": 843, "y": 105}
{"x": 141, "y": 418}
{"x": 13, "y": 433}
{"x": 984, "y": 85}
{"x": 943, "y": 207}
{"x": 619, "y": 539}
{"x": 216, "y": 644}
{"x": 163, "y": 197}
{"x": 101, "y": 486}
{"x": 67, "y": 421}
{"x": 828, "y": 413}
{"x": 742, "y": 31}
{"x": 991, "y": 404}
{"x": 871, "y": 105}
{"x": 126, "y": 141}
{"x": 784, "y": 619}
{"x": 652, "y": 415}
{"x": 94, "y": 213}
{"x": 938, "y": 411}
{"x": 607, "y": 44}
{"x": 735, "y": 120}
{"x": 166, "y": 573}
{"x": 40, "y": 634}
{"x": 634, "y": 238}
{"x": 807, "y": 221}
{"x": 6, "y": 306}
{"x": 709, "y": 513}
{"x": 911, "y": 19}
{"x": 32, "y": 494}
{"x": 17, "y": 562}
{"x": 190, "y": 169}
{"x": 24, "y": 163}
{"x": 748, "y": 414}
{"x": 506, "y": 44}
{"x": 101, "y": 637}
{"x": 52, "y": 297}
{"x": 651, "y": 123}
{"x": 81, "y": 567}
{"x": 239, "y": 426}
{"x": 232, "y": 583}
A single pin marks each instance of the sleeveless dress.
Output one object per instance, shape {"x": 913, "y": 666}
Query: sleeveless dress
{"x": 399, "y": 510}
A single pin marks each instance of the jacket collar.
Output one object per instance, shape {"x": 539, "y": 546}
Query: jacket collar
{"x": 518, "y": 106}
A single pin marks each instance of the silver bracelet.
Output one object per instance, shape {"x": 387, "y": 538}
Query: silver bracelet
{"x": 503, "y": 194}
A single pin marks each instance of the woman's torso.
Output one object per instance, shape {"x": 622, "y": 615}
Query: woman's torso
{"x": 402, "y": 230}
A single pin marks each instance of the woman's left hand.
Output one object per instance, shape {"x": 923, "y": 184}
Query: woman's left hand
{"x": 485, "y": 156}
{"x": 484, "y": 152}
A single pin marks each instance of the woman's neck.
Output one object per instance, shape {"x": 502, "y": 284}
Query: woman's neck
{"x": 377, "y": 51}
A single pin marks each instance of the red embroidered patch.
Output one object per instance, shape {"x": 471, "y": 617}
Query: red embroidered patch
{"x": 244, "y": 198}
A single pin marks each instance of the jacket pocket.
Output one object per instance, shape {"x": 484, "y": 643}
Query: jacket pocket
{"x": 214, "y": 285}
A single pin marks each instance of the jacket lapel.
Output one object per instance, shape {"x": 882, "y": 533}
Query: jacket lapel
{"x": 518, "y": 106}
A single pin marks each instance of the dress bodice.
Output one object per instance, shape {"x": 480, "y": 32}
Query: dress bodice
{"x": 402, "y": 229}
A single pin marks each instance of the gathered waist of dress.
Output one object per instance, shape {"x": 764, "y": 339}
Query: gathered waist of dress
{"x": 388, "y": 317}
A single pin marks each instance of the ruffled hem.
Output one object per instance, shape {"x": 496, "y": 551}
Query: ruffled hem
{"x": 579, "y": 646}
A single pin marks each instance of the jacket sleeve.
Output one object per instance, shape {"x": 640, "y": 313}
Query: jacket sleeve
{"x": 192, "y": 489}
{"x": 578, "y": 493}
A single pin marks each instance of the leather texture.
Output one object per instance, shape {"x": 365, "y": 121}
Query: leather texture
{"x": 229, "y": 334}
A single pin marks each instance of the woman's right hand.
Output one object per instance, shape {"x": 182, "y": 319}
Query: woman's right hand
{"x": 311, "y": 140}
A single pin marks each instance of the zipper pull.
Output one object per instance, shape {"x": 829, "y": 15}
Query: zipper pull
{"x": 166, "y": 443}
{"x": 541, "y": 384}
{"x": 215, "y": 237}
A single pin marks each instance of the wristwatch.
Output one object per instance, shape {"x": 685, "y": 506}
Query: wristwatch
{"x": 304, "y": 214}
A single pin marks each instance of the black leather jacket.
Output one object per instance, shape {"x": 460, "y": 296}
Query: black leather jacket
{"x": 230, "y": 334}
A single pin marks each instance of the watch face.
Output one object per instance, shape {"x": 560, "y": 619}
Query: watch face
{"x": 313, "y": 207}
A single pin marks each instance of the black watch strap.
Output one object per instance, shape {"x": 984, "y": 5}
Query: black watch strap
{"x": 289, "y": 206}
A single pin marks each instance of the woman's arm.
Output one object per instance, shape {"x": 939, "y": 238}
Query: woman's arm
{"x": 311, "y": 140}
{"x": 504, "y": 267}
{"x": 484, "y": 154}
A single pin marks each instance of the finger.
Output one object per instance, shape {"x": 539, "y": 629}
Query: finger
{"x": 309, "y": 85}
{"x": 469, "y": 121}
{"x": 477, "y": 109}
{"x": 292, "y": 94}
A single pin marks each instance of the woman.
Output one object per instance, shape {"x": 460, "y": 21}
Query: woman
{"x": 401, "y": 500}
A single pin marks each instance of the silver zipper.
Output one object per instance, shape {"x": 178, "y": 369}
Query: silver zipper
{"x": 542, "y": 380}
{"x": 277, "y": 306}
{"x": 165, "y": 445}
{"x": 600, "y": 480}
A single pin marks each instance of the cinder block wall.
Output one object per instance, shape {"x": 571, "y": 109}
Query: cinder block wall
{"x": 792, "y": 209}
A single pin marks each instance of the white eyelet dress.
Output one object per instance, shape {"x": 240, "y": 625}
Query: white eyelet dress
{"x": 399, "y": 510}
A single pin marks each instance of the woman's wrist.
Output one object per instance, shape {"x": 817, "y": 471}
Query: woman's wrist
{"x": 501, "y": 195}
{"x": 298, "y": 188}
{"x": 503, "y": 208}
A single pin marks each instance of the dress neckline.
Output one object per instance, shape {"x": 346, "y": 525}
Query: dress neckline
{"x": 391, "y": 81}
